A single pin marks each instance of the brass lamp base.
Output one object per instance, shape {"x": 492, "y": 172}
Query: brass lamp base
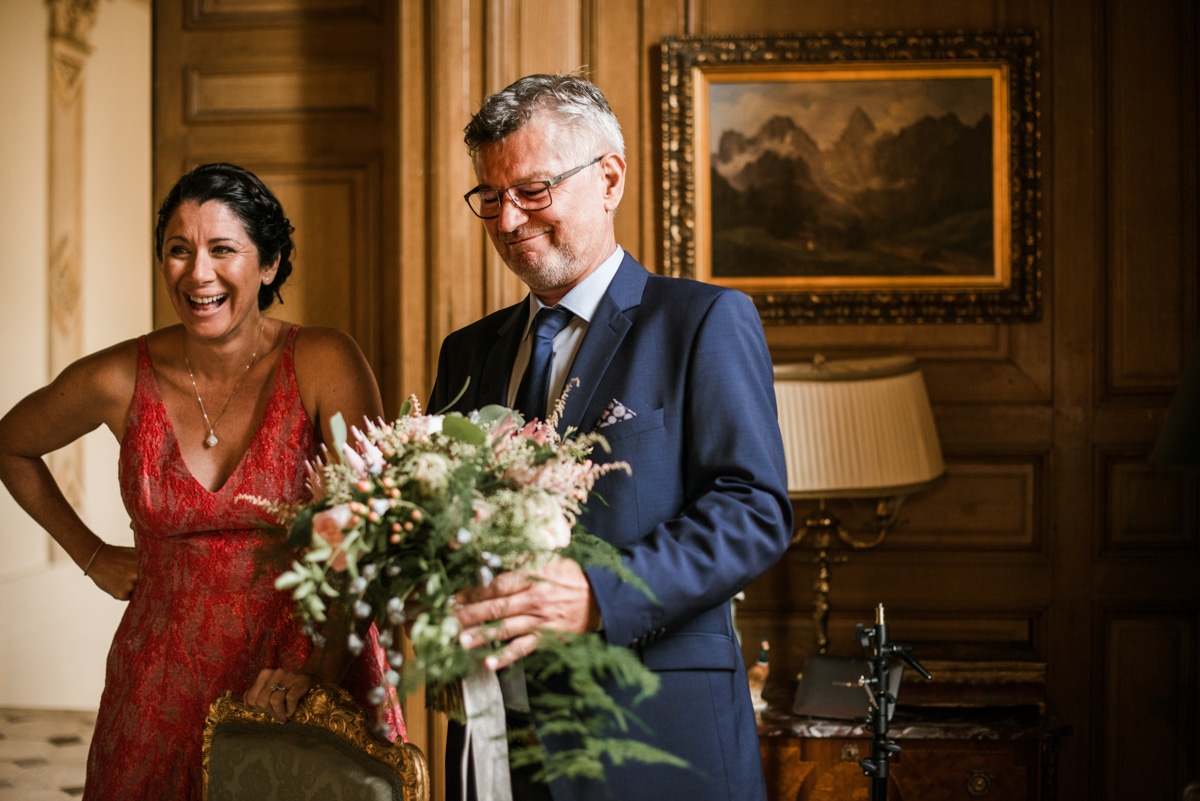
{"x": 819, "y": 527}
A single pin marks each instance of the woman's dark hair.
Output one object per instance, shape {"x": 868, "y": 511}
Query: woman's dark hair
{"x": 256, "y": 206}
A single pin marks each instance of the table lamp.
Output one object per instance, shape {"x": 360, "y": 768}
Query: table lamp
{"x": 856, "y": 429}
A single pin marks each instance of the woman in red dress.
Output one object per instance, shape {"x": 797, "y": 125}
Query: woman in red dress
{"x": 226, "y": 404}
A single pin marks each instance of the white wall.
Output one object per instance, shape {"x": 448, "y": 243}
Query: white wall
{"x": 55, "y": 625}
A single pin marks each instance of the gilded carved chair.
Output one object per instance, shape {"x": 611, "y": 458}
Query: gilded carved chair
{"x": 325, "y": 751}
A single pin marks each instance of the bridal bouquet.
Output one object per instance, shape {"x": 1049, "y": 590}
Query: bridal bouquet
{"x": 405, "y": 515}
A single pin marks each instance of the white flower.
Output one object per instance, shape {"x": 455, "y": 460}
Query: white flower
{"x": 548, "y": 527}
{"x": 431, "y": 471}
{"x": 395, "y": 611}
{"x": 425, "y": 426}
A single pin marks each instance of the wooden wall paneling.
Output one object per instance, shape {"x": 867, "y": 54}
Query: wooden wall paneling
{"x": 1149, "y": 53}
{"x": 456, "y": 239}
{"x": 963, "y": 427}
{"x": 1147, "y": 546}
{"x": 385, "y": 261}
{"x": 247, "y": 11}
{"x": 1144, "y": 521}
{"x": 990, "y": 505}
{"x": 625, "y": 36}
{"x": 1149, "y": 690}
{"x": 716, "y": 17}
{"x": 1073, "y": 247}
{"x": 942, "y": 582}
{"x": 334, "y": 282}
{"x": 503, "y": 48}
{"x": 550, "y": 35}
{"x": 216, "y": 92}
{"x": 961, "y": 363}
{"x": 409, "y": 359}
{"x": 1145, "y": 511}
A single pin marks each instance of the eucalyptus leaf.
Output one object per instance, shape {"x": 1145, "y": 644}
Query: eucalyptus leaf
{"x": 459, "y": 427}
{"x": 492, "y": 415}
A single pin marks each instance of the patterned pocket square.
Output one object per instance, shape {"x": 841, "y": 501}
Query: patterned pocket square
{"x": 615, "y": 413}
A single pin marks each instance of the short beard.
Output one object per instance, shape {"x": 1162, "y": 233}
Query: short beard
{"x": 555, "y": 270}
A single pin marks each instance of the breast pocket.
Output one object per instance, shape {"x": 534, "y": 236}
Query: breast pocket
{"x": 637, "y": 501}
{"x": 632, "y": 426}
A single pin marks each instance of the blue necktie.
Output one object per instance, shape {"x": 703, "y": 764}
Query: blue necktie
{"x": 534, "y": 392}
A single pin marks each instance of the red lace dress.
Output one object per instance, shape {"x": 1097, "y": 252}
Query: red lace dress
{"x": 205, "y": 616}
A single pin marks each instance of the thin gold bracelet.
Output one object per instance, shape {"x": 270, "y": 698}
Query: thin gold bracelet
{"x": 95, "y": 553}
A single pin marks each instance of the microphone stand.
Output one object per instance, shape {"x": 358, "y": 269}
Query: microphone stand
{"x": 883, "y": 653}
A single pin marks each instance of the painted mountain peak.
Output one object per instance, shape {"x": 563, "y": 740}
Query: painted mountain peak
{"x": 915, "y": 201}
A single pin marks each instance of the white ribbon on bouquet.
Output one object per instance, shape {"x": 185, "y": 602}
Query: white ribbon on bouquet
{"x": 486, "y": 736}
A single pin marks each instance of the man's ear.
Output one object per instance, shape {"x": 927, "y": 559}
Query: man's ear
{"x": 612, "y": 167}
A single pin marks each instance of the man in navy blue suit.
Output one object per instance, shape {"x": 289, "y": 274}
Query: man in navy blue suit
{"x": 676, "y": 374}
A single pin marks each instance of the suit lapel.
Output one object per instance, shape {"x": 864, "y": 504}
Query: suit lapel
{"x": 497, "y": 370}
{"x": 604, "y": 336}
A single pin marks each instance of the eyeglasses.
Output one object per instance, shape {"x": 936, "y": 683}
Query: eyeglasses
{"x": 535, "y": 196}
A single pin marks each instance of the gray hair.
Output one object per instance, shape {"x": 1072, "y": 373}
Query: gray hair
{"x": 572, "y": 100}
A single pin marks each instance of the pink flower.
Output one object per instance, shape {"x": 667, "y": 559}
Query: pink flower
{"x": 330, "y": 525}
{"x": 316, "y": 480}
{"x": 371, "y": 455}
{"x": 353, "y": 460}
{"x": 506, "y": 427}
{"x": 536, "y": 431}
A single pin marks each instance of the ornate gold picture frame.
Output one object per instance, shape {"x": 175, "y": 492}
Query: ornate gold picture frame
{"x": 857, "y": 177}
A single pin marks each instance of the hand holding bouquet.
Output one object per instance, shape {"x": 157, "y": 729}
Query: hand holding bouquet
{"x": 406, "y": 515}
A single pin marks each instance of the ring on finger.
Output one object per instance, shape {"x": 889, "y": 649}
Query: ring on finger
{"x": 275, "y": 688}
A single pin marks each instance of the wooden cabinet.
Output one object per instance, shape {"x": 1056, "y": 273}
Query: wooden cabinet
{"x": 943, "y": 757}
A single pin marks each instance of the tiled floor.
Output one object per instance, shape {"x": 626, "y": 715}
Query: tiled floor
{"x": 43, "y": 754}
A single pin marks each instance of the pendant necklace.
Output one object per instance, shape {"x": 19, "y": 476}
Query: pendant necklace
{"x": 211, "y": 440}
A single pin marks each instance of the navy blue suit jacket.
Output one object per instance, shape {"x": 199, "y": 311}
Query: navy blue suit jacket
{"x": 704, "y": 512}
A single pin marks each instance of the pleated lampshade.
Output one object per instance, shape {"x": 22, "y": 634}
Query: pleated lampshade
{"x": 857, "y": 428}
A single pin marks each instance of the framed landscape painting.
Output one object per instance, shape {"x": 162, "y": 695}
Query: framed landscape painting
{"x": 857, "y": 178}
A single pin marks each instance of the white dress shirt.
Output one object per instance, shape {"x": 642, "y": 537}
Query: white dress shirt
{"x": 581, "y": 301}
